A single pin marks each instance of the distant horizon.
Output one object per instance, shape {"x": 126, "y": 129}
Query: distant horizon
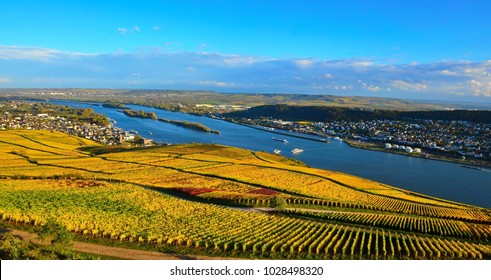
{"x": 435, "y": 50}
{"x": 486, "y": 105}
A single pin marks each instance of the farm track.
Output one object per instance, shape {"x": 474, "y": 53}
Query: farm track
{"x": 109, "y": 251}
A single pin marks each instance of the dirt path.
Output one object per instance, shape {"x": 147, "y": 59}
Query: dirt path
{"x": 120, "y": 253}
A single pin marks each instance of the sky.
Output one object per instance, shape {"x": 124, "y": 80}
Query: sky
{"x": 430, "y": 50}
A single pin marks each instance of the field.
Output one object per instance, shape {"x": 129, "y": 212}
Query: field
{"x": 227, "y": 201}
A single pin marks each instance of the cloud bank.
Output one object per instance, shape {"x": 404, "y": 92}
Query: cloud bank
{"x": 156, "y": 68}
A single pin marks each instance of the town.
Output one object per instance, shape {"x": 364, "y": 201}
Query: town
{"x": 461, "y": 140}
{"x": 22, "y": 115}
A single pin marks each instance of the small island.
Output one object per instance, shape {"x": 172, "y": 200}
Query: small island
{"x": 150, "y": 115}
{"x": 190, "y": 125}
{"x": 140, "y": 114}
{"x": 114, "y": 105}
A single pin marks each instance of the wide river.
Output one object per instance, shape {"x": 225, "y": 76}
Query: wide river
{"x": 436, "y": 178}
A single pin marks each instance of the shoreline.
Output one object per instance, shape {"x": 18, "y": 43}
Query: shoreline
{"x": 352, "y": 143}
{"x": 373, "y": 147}
{"x": 280, "y": 133}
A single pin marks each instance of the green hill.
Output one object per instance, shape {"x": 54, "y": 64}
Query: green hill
{"x": 325, "y": 113}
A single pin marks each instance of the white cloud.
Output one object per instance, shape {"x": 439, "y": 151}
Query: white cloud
{"x": 343, "y": 87}
{"x": 371, "y": 87}
{"x": 156, "y": 67}
{"x": 447, "y": 72}
{"x": 304, "y": 63}
{"x": 480, "y": 89}
{"x": 403, "y": 85}
{"x": 234, "y": 59}
{"x": 136, "y": 28}
{"x": 27, "y": 53}
{"x": 215, "y": 83}
{"x": 374, "y": 88}
{"x": 362, "y": 63}
{"x": 223, "y": 84}
{"x": 475, "y": 83}
{"x": 122, "y": 30}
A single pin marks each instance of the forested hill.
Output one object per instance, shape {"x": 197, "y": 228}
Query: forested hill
{"x": 323, "y": 113}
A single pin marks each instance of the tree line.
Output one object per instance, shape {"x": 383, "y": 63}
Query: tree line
{"x": 324, "y": 114}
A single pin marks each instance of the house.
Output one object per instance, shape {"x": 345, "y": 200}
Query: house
{"x": 145, "y": 141}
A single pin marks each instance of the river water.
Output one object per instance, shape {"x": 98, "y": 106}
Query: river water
{"x": 436, "y": 178}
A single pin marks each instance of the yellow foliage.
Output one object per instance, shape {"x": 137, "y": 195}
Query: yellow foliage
{"x": 43, "y": 175}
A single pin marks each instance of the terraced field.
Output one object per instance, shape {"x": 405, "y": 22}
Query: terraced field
{"x": 180, "y": 196}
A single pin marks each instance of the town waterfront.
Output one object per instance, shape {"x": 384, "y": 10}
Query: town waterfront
{"x": 440, "y": 179}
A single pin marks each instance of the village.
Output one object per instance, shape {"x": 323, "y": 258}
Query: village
{"x": 13, "y": 118}
{"x": 460, "y": 139}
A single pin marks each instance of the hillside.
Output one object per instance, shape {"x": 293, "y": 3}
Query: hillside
{"x": 324, "y": 113}
{"x": 179, "y": 197}
{"x": 185, "y": 100}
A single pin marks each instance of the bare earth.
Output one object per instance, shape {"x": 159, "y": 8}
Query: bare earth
{"x": 116, "y": 252}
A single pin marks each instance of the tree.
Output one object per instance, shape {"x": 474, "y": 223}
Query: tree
{"x": 278, "y": 202}
{"x": 12, "y": 248}
{"x": 55, "y": 233}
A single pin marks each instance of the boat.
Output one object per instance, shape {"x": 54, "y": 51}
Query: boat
{"x": 297, "y": 150}
{"x": 281, "y": 140}
{"x": 276, "y": 152}
{"x": 471, "y": 167}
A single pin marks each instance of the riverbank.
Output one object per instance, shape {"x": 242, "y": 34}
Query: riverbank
{"x": 376, "y": 147}
{"x": 486, "y": 166}
{"x": 280, "y": 133}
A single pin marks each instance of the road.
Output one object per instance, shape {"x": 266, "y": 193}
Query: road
{"x": 109, "y": 251}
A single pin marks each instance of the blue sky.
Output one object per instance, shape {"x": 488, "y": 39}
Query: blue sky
{"x": 403, "y": 49}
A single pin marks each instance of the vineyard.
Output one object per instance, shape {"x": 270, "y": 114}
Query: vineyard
{"x": 180, "y": 196}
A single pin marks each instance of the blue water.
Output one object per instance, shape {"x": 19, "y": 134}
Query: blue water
{"x": 440, "y": 179}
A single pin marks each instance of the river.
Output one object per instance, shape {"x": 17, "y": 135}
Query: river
{"x": 436, "y": 178}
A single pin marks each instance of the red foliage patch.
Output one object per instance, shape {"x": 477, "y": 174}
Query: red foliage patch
{"x": 195, "y": 191}
{"x": 264, "y": 191}
{"x": 83, "y": 183}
